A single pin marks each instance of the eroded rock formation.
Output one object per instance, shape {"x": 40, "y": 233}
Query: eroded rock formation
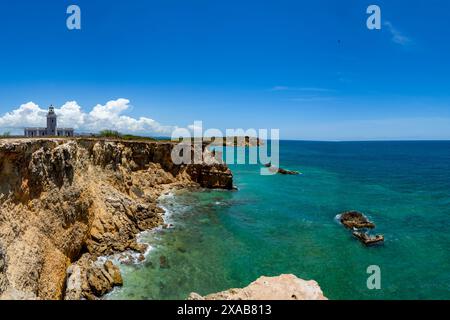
{"x": 359, "y": 223}
{"x": 236, "y": 141}
{"x": 356, "y": 220}
{"x": 284, "y": 287}
{"x": 64, "y": 203}
{"x": 281, "y": 170}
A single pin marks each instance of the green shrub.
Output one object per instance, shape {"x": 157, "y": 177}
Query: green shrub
{"x": 118, "y": 135}
{"x": 109, "y": 134}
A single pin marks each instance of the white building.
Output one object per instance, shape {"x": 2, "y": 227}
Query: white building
{"x": 52, "y": 128}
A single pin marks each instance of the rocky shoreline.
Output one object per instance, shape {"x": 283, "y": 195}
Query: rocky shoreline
{"x": 66, "y": 202}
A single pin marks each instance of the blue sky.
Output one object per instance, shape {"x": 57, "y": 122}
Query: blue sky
{"x": 310, "y": 68}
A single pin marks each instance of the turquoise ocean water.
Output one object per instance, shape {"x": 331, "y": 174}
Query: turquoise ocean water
{"x": 286, "y": 224}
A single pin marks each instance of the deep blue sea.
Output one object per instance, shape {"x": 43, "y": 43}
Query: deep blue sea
{"x": 286, "y": 224}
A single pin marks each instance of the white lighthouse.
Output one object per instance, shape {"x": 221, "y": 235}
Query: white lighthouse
{"x": 52, "y": 129}
{"x": 51, "y": 121}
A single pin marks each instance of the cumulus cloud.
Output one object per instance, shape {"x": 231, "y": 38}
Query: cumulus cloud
{"x": 107, "y": 116}
{"x": 28, "y": 114}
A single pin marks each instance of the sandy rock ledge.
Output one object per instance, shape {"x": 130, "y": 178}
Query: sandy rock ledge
{"x": 284, "y": 287}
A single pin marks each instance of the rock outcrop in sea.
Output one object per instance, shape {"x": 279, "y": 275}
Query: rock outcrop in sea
{"x": 284, "y": 287}
{"x": 64, "y": 203}
{"x": 359, "y": 223}
{"x": 355, "y": 220}
{"x": 280, "y": 170}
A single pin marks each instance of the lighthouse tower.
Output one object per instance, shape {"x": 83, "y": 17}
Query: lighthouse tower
{"x": 51, "y": 130}
{"x": 51, "y": 122}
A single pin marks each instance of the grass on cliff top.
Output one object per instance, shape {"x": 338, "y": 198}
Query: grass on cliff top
{"x": 112, "y": 134}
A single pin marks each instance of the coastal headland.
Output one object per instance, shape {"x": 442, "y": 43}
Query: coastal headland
{"x": 66, "y": 202}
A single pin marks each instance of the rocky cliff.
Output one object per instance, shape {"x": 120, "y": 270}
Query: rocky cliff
{"x": 64, "y": 203}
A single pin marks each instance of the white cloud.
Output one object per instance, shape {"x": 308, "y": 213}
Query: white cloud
{"x": 28, "y": 114}
{"x": 397, "y": 36}
{"x": 70, "y": 115}
{"x": 108, "y": 116}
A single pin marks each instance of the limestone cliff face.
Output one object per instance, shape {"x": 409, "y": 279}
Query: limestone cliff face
{"x": 62, "y": 200}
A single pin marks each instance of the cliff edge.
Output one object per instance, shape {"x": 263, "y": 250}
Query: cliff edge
{"x": 284, "y": 287}
{"x": 66, "y": 202}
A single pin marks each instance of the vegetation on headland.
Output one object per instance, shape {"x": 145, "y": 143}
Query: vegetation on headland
{"x": 113, "y": 134}
{"x": 240, "y": 141}
{"x": 105, "y": 134}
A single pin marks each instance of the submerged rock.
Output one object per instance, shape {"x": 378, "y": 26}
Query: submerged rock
{"x": 163, "y": 262}
{"x": 356, "y": 220}
{"x": 284, "y": 287}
